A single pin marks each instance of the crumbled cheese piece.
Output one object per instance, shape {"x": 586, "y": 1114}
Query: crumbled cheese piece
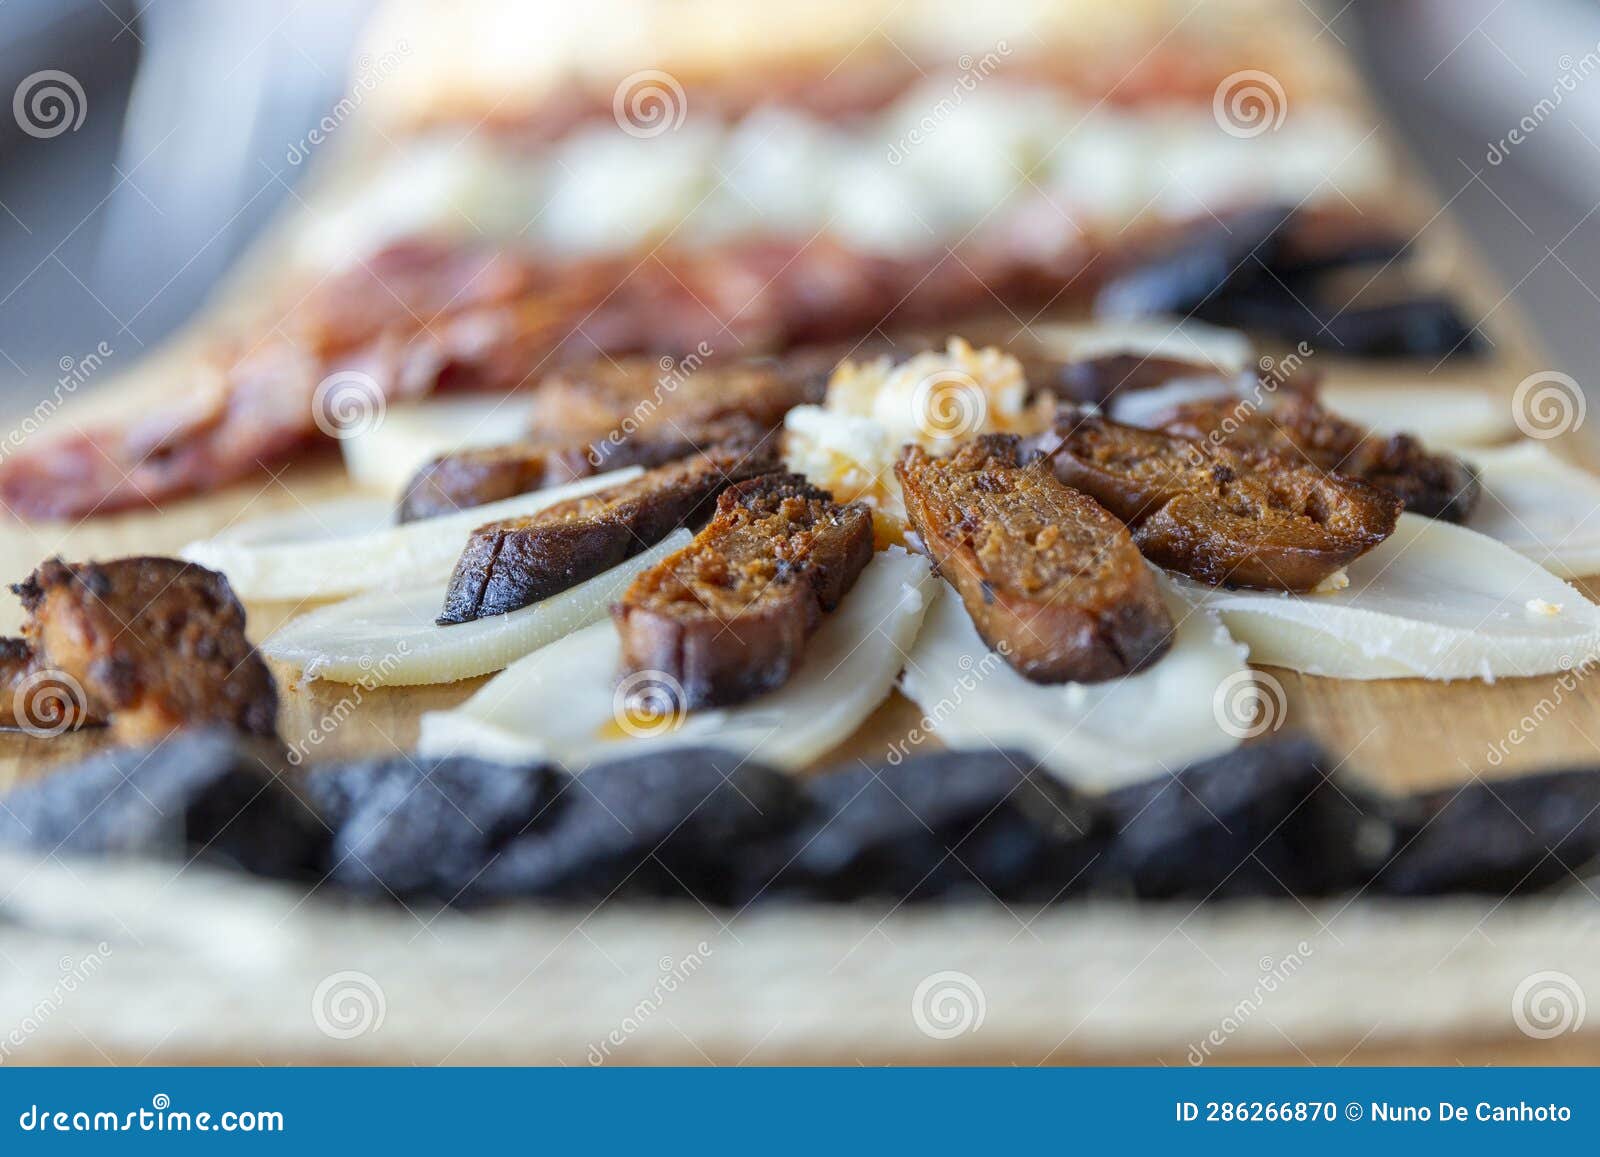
{"x": 849, "y": 444}
{"x": 1337, "y": 581}
{"x": 1541, "y": 607}
{"x": 853, "y": 457}
{"x": 934, "y": 399}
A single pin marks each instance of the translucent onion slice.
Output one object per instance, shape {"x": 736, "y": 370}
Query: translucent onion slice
{"x": 1539, "y": 506}
{"x": 326, "y": 568}
{"x": 411, "y": 434}
{"x": 564, "y": 702}
{"x": 1433, "y": 601}
{"x": 389, "y": 638}
{"x": 1095, "y": 736}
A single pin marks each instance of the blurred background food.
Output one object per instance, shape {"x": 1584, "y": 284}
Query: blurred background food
{"x": 197, "y": 119}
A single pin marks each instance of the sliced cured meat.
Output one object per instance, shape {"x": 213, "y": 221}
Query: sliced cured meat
{"x": 1052, "y": 580}
{"x": 727, "y": 617}
{"x": 1435, "y": 485}
{"x": 156, "y": 644}
{"x": 487, "y": 474}
{"x": 518, "y": 561}
{"x": 1225, "y": 518}
{"x": 430, "y": 316}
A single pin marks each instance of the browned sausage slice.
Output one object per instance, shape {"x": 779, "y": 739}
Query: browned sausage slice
{"x": 518, "y": 561}
{"x": 487, "y": 474}
{"x": 727, "y": 617}
{"x": 1434, "y": 485}
{"x": 1258, "y": 520}
{"x": 1052, "y": 581}
{"x": 157, "y": 644}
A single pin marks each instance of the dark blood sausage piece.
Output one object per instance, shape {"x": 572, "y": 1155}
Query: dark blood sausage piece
{"x": 1321, "y": 240}
{"x": 1180, "y": 271}
{"x": 666, "y": 824}
{"x": 728, "y": 615}
{"x": 1421, "y": 325}
{"x": 1503, "y": 836}
{"x": 518, "y": 561}
{"x": 1052, "y": 580}
{"x": 951, "y": 823}
{"x": 204, "y": 793}
{"x": 414, "y": 826}
{"x": 1262, "y": 820}
{"x": 1258, "y": 520}
{"x": 1266, "y": 270}
{"x": 487, "y": 474}
{"x": 1434, "y": 485}
{"x": 157, "y": 644}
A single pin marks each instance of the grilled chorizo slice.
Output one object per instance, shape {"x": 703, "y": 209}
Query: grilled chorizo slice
{"x": 1219, "y": 516}
{"x": 518, "y": 561}
{"x": 1052, "y": 580}
{"x": 728, "y": 616}
{"x": 1438, "y": 486}
{"x": 157, "y": 644}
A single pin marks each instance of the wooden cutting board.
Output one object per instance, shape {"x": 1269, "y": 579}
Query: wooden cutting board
{"x": 208, "y": 967}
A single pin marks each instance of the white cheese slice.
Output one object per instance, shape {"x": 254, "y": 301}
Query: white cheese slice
{"x": 1540, "y": 506}
{"x": 1433, "y": 601}
{"x": 562, "y": 702}
{"x": 1193, "y": 341}
{"x": 1096, "y": 736}
{"x": 317, "y": 522}
{"x": 1441, "y": 416}
{"x": 327, "y": 568}
{"x": 385, "y": 457}
{"x": 390, "y": 638}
